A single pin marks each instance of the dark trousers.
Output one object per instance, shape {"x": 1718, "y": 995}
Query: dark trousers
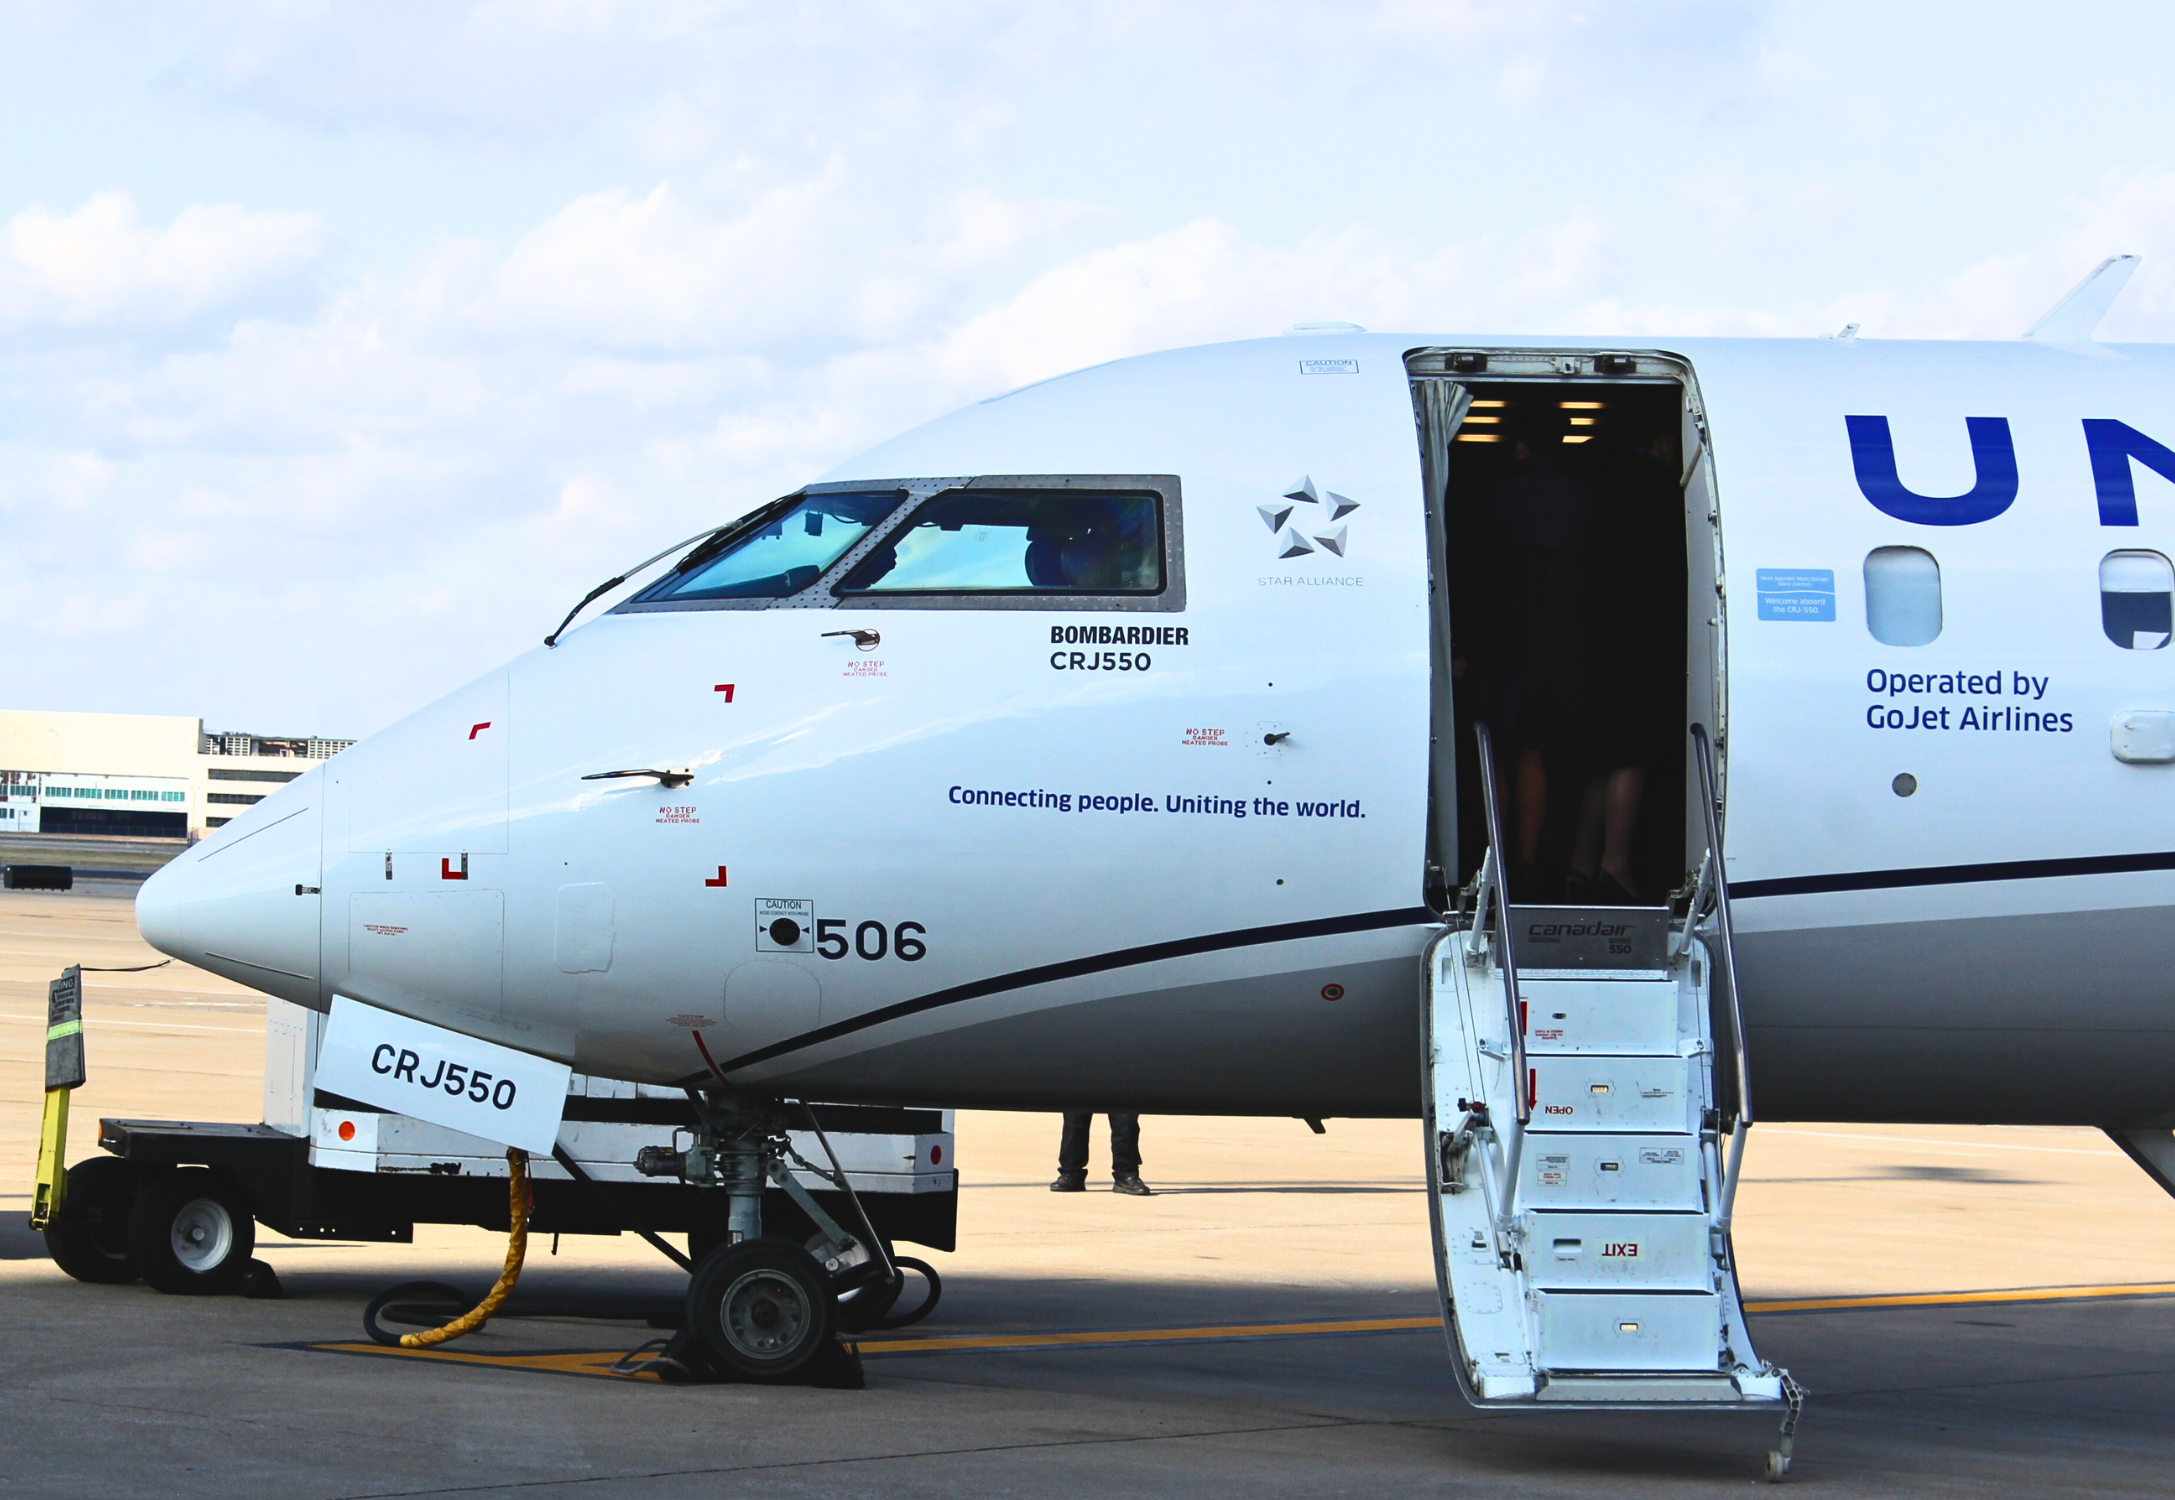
{"x": 1072, "y": 1151}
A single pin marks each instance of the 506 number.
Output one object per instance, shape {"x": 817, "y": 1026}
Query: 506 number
{"x": 871, "y": 940}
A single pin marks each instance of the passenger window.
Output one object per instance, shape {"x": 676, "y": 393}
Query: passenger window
{"x": 779, "y": 550}
{"x": 1902, "y": 596}
{"x": 1020, "y": 542}
{"x": 2137, "y": 599}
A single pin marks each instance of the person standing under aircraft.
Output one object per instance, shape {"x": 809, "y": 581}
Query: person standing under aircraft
{"x": 1072, "y": 1156}
{"x": 1538, "y": 514}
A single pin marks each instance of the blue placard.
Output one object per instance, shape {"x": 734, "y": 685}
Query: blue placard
{"x": 1797, "y": 593}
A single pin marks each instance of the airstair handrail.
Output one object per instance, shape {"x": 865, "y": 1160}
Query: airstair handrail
{"x": 1492, "y": 873}
{"x": 1710, "y": 808}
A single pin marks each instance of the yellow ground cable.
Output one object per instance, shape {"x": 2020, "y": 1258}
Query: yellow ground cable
{"x": 517, "y": 1246}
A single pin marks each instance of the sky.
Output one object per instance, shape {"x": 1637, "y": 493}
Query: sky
{"x": 344, "y": 346}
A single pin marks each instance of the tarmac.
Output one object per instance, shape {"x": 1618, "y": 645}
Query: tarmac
{"x": 1982, "y": 1311}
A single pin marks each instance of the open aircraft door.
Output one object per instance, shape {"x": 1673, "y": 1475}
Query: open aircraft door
{"x": 1586, "y": 1086}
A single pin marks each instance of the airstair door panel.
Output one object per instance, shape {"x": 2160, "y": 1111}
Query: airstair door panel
{"x": 1585, "y": 1255}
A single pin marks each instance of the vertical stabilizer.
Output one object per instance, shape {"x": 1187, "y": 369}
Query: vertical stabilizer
{"x": 2073, "y": 319}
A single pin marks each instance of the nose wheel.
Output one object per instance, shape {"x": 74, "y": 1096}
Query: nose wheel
{"x": 763, "y": 1309}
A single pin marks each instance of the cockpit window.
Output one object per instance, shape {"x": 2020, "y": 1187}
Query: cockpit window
{"x": 779, "y": 550}
{"x": 1023, "y": 542}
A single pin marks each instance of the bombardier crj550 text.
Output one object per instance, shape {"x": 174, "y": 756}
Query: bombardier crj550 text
{"x": 1344, "y": 724}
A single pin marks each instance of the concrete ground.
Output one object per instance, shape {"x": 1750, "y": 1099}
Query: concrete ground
{"x": 1263, "y": 1325}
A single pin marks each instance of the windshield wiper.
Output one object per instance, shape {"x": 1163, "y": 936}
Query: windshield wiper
{"x": 718, "y": 538}
{"x": 612, "y": 583}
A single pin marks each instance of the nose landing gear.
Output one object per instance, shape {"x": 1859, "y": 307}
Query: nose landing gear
{"x": 762, "y": 1308}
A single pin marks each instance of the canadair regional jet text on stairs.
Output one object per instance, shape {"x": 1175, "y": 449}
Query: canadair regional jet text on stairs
{"x": 1341, "y": 724}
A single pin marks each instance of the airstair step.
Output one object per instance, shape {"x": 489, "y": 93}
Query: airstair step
{"x": 1602, "y": 1015}
{"x": 1581, "y": 1092}
{"x": 1601, "y": 1171}
{"x": 1659, "y": 1390}
{"x": 1615, "y": 1331}
{"x": 1619, "y": 1251}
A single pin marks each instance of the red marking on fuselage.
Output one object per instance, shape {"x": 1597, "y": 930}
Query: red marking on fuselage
{"x": 726, "y": 688}
{"x": 479, "y": 728}
{"x": 720, "y": 878}
{"x": 447, "y": 872}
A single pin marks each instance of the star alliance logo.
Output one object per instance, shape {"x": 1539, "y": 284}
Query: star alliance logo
{"x": 1307, "y": 518}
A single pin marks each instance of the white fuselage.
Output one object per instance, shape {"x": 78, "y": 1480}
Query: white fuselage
{"x": 1040, "y": 856}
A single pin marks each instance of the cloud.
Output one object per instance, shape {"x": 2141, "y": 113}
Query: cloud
{"x": 438, "y": 462}
{"x": 721, "y": 73}
{"x": 2129, "y": 212}
{"x": 102, "y": 266}
{"x": 1206, "y": 281}
{"x": 578, "y": 276}
{"x": 817, "y": 264}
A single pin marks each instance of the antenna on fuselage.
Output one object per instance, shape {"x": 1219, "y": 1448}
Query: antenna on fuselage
{"x": 2073, "y": 319}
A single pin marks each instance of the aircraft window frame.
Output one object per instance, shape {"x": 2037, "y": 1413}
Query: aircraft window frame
{"x": 1894, "y": 600}
{"x": 967, "y": 510}
{"x": 916, "y": 493}
{"x": 732, "y": 531}
{"x": 1165, "y": 487}
{"x": 2147, "y": 558}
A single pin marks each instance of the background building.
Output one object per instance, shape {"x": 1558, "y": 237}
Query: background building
{"x": 138, "y": 775}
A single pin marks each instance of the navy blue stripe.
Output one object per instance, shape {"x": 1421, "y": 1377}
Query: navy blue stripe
{"x": 1248, "y": 937}
{"x": 1889, "y": 880}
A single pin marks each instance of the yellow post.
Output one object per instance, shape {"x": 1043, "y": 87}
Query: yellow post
{"x": 52, "y": 1160}
{"x": 64, "y": 1071}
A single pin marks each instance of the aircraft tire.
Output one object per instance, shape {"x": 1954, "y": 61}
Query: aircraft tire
{"x": 191, "y": 1232}
{"x": 89, "y": 1237}
{"x": 764, "y": 1310}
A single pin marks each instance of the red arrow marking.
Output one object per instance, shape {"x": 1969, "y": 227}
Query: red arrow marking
{"x": 720, "y": 878}
{"x": 726, "y": 688}
{"x": 478, "y": 729}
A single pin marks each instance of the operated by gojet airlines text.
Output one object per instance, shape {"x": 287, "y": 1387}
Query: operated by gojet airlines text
{"x": 1982, "y": 716}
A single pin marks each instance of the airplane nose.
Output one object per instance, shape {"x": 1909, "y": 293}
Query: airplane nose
{"x": 244, "y": 903}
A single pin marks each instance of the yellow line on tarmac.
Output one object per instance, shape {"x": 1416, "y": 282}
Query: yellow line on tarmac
{"x": 599, "y": 1362}
{"x": 1148, "y": 1335}
{"x": 1962, "y": 1299}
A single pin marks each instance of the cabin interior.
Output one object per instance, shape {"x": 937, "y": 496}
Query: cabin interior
{"x": 1565, "y": 557}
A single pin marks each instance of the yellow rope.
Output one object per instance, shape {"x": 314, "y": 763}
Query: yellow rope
{"x": 517, "y": 1246}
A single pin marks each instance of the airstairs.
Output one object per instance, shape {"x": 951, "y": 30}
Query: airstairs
{"x": 1585, "y": 1144}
